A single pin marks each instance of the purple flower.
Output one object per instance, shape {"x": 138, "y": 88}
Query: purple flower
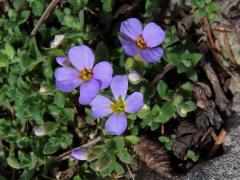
{"x": 80, "y": 154}
{"x": 91, "y": 79}
{"x": 63, "y": 61}
{"x": 116, "y": 124}
{"x": 137, "y": 40}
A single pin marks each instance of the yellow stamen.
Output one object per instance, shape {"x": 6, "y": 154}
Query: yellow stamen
{"x": 86, "y": 74}
{"x": 118, "y": 106}
{"x": 140, "y": 42}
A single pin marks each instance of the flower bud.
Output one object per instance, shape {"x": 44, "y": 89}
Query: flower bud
{"x": 80, "y": 154}
{"x": 57, "y": 41}
{"x": 134, "y": 77}
{"x": 39, "y": 131}
{"x": 45, "y": 90}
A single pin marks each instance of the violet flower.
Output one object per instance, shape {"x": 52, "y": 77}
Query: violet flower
{"x": 63, "y": 61}
{"x": 80, "y": 154}
{"x": 91, "y": 79}
{"x": 136, "y": 40}
{"x": 116, "y": 124}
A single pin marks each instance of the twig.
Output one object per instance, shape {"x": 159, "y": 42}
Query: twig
{"x": 229, "y": 50}
{"x": 44, "y": 16}
{"x": 162, "y": 129}
{"x": 221, "y": 30}
{"x": 214, "y": 50}
{"x": 221, "y": 100}
{"x": 166, "y": 68}
{"x": 130, "y": 172}
{"x": 217, "y": 144}
{"x": 89, "y": 144}
{"x": 213, "y": 134}
{"x": 206, "y": 134}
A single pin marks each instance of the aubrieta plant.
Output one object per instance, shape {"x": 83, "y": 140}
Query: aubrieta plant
{"x": 92, "y": 79}
{"x": 135, "y": 41}
{"x": 143, "y": 42}
{"x": 116, "y": 124}
{"x": 68, "y": 93}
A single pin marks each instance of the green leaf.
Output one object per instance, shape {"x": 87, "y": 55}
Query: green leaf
{"x": 173, "y": 58}
{"x": 198, "y": 14}
{"x": 104, "y": 162}
{"x": 37, "y": 7}
{"x": 191, "y": 155}
{"x": 59, "y": 99}
{"x": 9, "y": 50}
{"x": 3, "y": 60}
{"x": 125, "y": 157}
{"x": 81, "y": 20}
{"x": 186, "y": 89}
{"x": 164, "y": 139}
{"x": 68, "y": 114}
{"x": 119, "y": 142}
{"x": 118, "y": 168}
{"x": 50, "y": 148}
{"x": 107, "y": 5}
{"x": 210, "y": 15}
{"x": 66, "y": 140}
{"x": 192, "y": 74}
{"x": 162, "y": 89}
{"x": 96, "y": 152}
{"x": 24, "y": 142}
{"x": 17, "y": 3}
{"x": 50, "y": 127}
{"x": 195, "y": 57}
{"x": 12, "y": 14}
{"x": 166, "y": 113}
{"x": 213, "y": 7}
{"x": 132, "y": 139}
{"x": 177, "y": 100}
{"x": 143, "y": 112}
{"x": 34, "y": 51}
{"x": 13, "y": 162}
{"x": 24, "y": 15}
{"x": 47, "y": 69}
{"x": 198, "y": 3}
{"x": 186, "y": 107}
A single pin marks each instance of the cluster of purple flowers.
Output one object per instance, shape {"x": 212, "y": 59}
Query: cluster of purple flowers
{"x": 78, "y": 70}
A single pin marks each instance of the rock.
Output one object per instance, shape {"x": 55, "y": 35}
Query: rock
{"x": 231, "y": 142}
{"x": 221, "y": 168}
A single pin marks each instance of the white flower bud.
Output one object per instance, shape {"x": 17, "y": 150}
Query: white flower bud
{"x": 57, "y": 41}
{"x": 134, "y": 77}
{"x": 39, "y": 131}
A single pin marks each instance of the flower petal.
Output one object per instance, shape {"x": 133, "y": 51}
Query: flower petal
{"x": 119, "y": 86}
{"x": 152, "y": 55}
{"x": 81, "y": 57}
{"x": 80, "y": 154}
{"x": 132, "y": 28}
{"x": 67, "y": 79}
{"x": 134, "y": 102}
{"x": 63, "y": 61}
{"x": 100, "y": 106}
{"x": 116, "y": 124}
{"x": 153, "y": 34}
{"x": 88, "y": 91}
{"x": 129, "y": 46}
{"x": 103, "y": 72}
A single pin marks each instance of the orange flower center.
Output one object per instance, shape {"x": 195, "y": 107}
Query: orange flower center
{"x": 140, "y": 42}
{"x": 86, "y": 74}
